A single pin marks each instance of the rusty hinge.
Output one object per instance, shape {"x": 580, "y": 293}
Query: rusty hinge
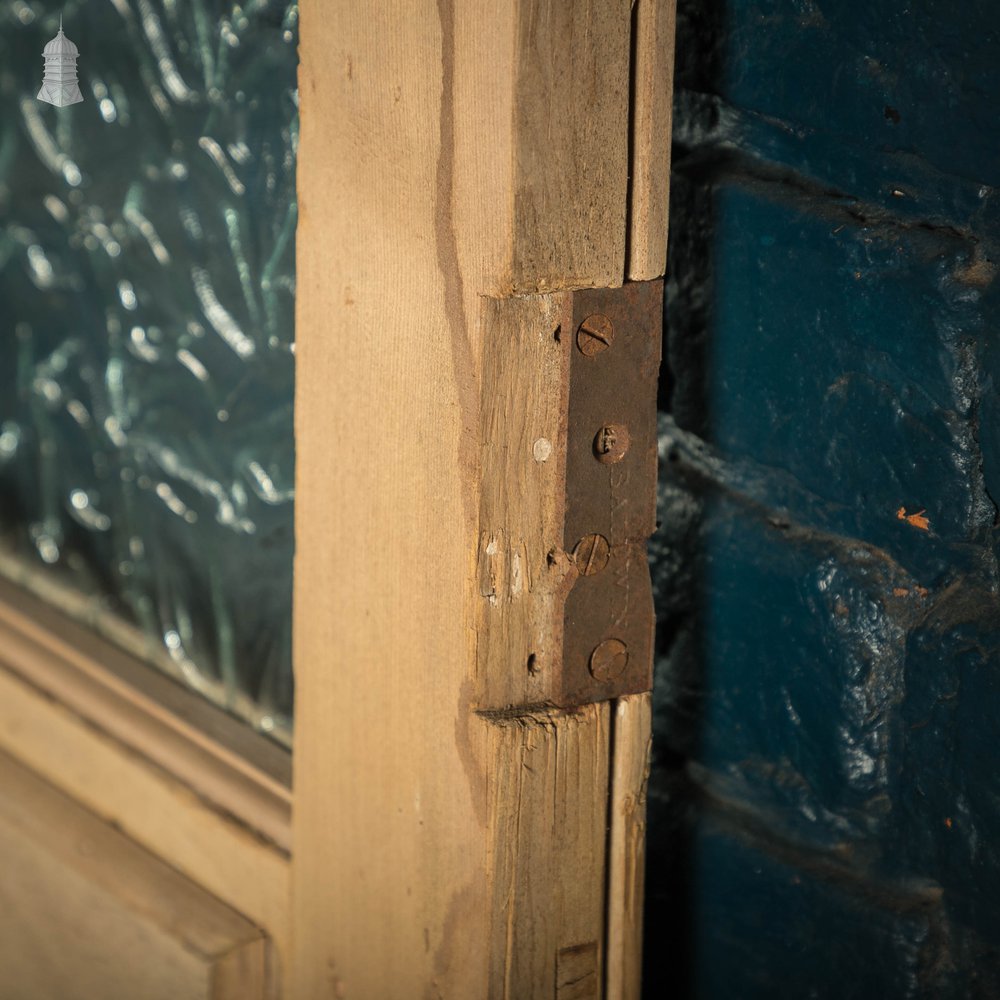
{"x": 568, "y": 437}
{"x": 608, "y": 619}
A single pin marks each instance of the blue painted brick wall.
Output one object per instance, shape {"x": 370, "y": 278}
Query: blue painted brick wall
{"x": 825, "y": 799}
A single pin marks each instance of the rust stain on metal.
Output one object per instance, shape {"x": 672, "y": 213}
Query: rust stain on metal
{"x": 611, "y": 443}
{"x": 608, "y": 617}
{"x": 609, "y": 660}
{"x": 591, "y": 554}
{"x": 595, "y": 335}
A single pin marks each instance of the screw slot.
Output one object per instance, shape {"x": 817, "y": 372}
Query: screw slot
{"x": 608, "y": 660}
{"x": 595, "y": 335}
{"x": 591, "y": 554}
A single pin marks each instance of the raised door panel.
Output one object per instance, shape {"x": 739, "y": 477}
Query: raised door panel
{"x": 87, "y": 913}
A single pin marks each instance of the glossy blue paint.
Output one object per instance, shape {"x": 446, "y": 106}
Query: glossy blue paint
{"x": 823, "y": 805}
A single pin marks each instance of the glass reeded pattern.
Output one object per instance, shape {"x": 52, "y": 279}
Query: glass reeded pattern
{"x": 147, "y": 283}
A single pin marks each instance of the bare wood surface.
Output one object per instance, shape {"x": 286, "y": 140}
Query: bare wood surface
{"x": 220, "y": 758}
{"x": 149, "y": 805}
{"x": 244, "y": 972}
{"x": 570, "y": 114}
{"x": 522, "y": 571}
{"x": 627, "y": 845}
{"x": 652, "y": 94}
{"x": 548, "y": 813}
{"x": 389, "y": 841}
{"x": 448, "y": 152}
{"x": 91, "y": 610}
{"x": 532, "y": 105}
{"x": 88, "y": 913}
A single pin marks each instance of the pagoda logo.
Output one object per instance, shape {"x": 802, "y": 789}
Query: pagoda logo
{"x": 59, "y": 86}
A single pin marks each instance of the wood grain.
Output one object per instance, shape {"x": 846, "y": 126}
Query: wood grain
{"x": 220, "y": 758}
{"x": 461, "y": 165}
{"x": 534, "y": 123}
{"x": 148, "y": 804}
{"x": 523, "y": 573}
{"x": 450, "y": 154}
{"x": 88, "y": 913}
{"x": 570, "y": 120}
{"x": 23, "y": 582}
{"x": 631, "y": 745}
{"x": 652, "y": 93}
{"x": 388, "y": 830}
{"x": 245, "y": 972}
{"x": 548, "y": 813}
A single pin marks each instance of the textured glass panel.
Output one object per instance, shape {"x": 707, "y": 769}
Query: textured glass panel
{"x": 146, "y": 324}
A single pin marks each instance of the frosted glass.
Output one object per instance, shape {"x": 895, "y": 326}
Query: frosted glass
{"x": 146, "y": 323}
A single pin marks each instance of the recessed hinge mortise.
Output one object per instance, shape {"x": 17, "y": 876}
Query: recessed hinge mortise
{"x": 569, "y": 496}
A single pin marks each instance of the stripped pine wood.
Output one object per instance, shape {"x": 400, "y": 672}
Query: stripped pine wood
{"x": 220, "y": 758}
{"x": 570, "y": 112}
{"x": 88, "y": 913}
{"x": 548, "y": 814}
{"x": 388, "y": 831}
{"x": 245, "y": 972}
{"x": 652, "y": 92}
{"x": 630, "y": 750}
{"x": 148, "y": 804}
{"x": 523, "y": 573}
{"x": 462, "y": 167}
{"x": 448, "y": 152}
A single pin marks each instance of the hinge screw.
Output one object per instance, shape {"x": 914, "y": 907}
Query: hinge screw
{"x": 591, "y": 554}
{"x": 610, "y": 443}
{"x": 595, "y": 334}
{"x": 608, "y": 660}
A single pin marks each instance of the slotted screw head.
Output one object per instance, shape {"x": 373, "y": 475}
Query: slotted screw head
{"x": 608, "y": 660}
{"x": 595, "y": 334}
{"x": 610, "y": 443}
{"x": 591, "y": 554}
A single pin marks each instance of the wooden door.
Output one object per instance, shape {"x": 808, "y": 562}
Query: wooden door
{"x": 464, "y": 169}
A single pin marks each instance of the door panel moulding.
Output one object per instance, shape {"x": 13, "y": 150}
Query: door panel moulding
{"x": 217, "y": 756}
{"x": 89, "y": 913}
{"x": 199, "y": 789}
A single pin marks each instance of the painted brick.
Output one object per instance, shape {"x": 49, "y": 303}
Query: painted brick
{"x": 823, "y": 807}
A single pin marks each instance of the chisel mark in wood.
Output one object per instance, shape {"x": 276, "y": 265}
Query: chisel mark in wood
{"x": 576, "y": 972}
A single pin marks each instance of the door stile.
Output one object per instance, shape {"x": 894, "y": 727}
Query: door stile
{"x": 463, "y": 174}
